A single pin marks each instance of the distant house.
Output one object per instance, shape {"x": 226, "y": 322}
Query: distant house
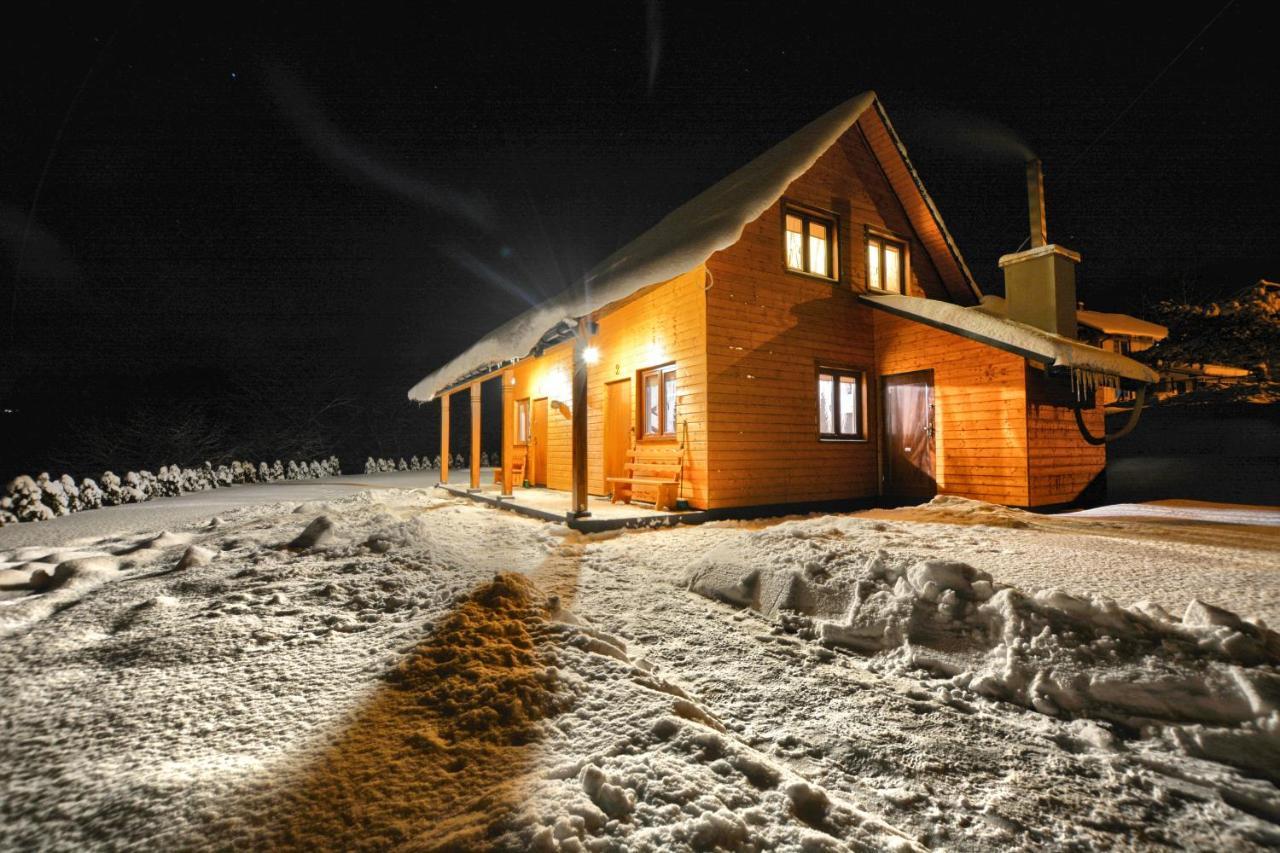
{"x": 804, "y": 331}
{"x": 1119, "y": 333}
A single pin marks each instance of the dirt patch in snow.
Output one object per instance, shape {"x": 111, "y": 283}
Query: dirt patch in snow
{"x": 434, "y": 759}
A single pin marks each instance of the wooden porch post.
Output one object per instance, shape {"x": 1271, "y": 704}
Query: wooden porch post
{"x": 475, "y": 436}
{"x": 508, "y": 431}
{"x": 444, "y": 439}
{"x": 580, "y": 420}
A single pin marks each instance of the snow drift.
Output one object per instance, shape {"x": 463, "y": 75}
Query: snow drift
{"x": 1209, "y": 672}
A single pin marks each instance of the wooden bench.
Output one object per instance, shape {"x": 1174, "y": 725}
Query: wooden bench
{"x": 654, "y": 466}
{"x": 519, "y": 454}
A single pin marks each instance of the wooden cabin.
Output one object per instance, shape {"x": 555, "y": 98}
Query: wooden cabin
{"x": 803, "y": 332}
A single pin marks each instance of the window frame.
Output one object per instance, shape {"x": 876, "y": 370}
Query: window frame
{"x": 524, "y": 405}
{"x": 661, "y": 372}
{"x": 809, "y": 214}
{"x": 883, "y": 238}
{"x": 860, "y": 397}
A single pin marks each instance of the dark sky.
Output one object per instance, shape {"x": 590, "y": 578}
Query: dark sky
{"x": 357, "y": 193}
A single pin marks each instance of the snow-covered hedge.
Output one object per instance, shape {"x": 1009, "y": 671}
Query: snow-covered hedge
{"x": 414, "y": 463}
{"x": 42, "y": 498}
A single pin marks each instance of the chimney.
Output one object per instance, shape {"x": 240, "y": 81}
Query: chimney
{"x": 1040, "y": 283}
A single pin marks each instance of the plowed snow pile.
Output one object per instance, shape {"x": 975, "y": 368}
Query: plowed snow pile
{"x": 1058, "y": 653}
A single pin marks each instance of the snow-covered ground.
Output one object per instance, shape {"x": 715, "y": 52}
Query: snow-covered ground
{"x": 423, "y": 670}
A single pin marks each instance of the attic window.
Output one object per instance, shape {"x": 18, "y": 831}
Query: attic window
{"x": 886, "y": 263}
{"x": 810, "y": 243}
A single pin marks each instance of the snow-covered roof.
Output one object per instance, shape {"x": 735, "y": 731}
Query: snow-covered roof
{"x": 999, "y": 331}
{"x": 685, "y": 238}
{"x": 1107, "y": 324}
{"x": 1208, "y": 368}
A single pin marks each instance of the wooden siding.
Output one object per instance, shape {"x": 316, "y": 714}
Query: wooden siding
{"x": 768, "y": 331}
{"x": 660, "y": 325}
{"x": 1062, "y": 464}
{"x": 980, "y": 407}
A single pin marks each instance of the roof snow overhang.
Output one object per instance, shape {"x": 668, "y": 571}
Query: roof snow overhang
{"x": 680, "y": 242}
{"x": 1100, "y": 321}
{"x": 1053, "y": 351}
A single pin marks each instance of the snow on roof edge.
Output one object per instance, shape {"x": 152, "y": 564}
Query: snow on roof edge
{"x": 680, "y": 241}
{"x": 1009, "y": 335}
{"x": 1102, "y": 321}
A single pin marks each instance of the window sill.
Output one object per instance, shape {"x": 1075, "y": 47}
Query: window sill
{"x": 842, "y": 439}
{"x": 812, "y": 275}
{"x": 885, "y": 291}
{"x": 657, "y": 439}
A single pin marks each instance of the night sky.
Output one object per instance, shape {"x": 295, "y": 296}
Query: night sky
{"x": 324, "y": 205}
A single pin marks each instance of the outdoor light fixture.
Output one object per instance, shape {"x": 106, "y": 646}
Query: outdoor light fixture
{"x": 591, "y": 355}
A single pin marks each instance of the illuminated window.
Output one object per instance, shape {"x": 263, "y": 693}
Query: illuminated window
{"x": 810, "y": 243}
{"x": 886, "y": 264}
{"x": 522, "y": 421}
{"x": 839, "y": 404}
{"x": 658, "y": 402}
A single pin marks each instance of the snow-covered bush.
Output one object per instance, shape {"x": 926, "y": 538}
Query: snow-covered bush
{"x": 52, "y": 496}
{"x": 277, "y": 471}
{"x": 316, "y": 471}
{"x": 168, "y": 481}
{"x": 111, "y": 489}
{"x": 435, "y": 463}
{"x": 264, "y": 472}
{"x": 335, "y": 465}
{"x": 24, "y": 497}
{"x": 402, "y": 465}
{"x": 134, "y": 488}
{"x": 72, "y": 492}
{"x": 210, "y": 477}
{"x": 457, "y": 461}
{"x": 291, "y": 472}
{"x": 90, "y": 494}
{"x": 147, "y": 485}
{"x": 370, "y": 467}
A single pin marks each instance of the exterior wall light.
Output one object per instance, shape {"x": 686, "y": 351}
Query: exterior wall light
{"x": 591, "y": 355}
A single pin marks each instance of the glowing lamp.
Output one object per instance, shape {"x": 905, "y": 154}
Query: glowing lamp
{"x": 591, "y": 355}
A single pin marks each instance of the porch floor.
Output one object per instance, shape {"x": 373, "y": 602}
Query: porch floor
{"x": 554, "y": 505}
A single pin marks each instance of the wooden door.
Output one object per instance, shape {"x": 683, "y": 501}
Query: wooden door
{"x": 538, "y": 442}
{"x": 908, "y": 434}
{"x": 617, "y": 429}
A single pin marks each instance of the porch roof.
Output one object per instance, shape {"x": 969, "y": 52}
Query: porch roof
{"x": 680, "y": 242}
{"x": 1011, "y": 336}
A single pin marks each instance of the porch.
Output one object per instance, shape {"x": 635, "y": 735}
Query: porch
{"x": 556, "y": 505}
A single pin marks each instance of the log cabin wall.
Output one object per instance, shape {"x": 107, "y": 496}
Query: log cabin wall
{"x": 980, "y": 407}
{"x": 661, "y": 325}
{"x": 769, "y": 329}
{"x": 664, "y": 324}
{"x": 1062, "y": 464}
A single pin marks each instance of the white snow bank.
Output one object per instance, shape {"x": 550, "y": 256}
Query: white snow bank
{"x": 1061, "y": 654}
{"x": 1186, "y": 511}
{"x": 70, "y": 581}
{"x": 1007, "y": 334}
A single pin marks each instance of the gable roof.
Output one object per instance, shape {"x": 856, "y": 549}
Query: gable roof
{"x": 683, "y": 239}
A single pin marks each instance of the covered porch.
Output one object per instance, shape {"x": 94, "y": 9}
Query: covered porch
{"x": 556, "y": 505}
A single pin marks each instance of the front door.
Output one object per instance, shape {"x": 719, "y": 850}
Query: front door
{"x": 537, "y": 463}
{"x": 617, "y": 429}
{"x": 908, "y": 435}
